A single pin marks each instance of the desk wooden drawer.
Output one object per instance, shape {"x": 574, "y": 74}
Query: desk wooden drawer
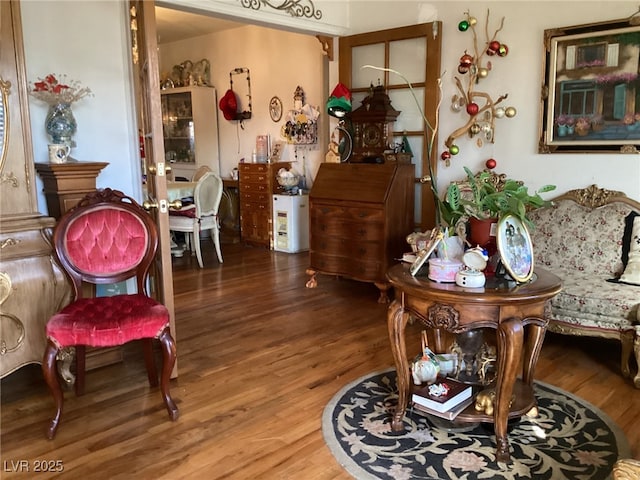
{"x": 255, "y": 196}
{"x": 367, "y": 270}
{"x": 343, "y": 228}
{"x": 352, "y": 214}
{"x": 346, "y": 247}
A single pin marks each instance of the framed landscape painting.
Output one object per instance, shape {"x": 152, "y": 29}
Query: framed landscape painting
{"x": 591, "y": 88}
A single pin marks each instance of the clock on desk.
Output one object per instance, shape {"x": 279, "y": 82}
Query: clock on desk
{"x": 372, "y": 127}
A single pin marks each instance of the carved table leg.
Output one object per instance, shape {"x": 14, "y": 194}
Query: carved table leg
{"x": 510, "y": 339}
{"x": 396, "y": 323}
{"x": 537, "y": 328}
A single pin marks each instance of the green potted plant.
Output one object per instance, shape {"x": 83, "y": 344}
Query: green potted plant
{"x": 484, "y": 198}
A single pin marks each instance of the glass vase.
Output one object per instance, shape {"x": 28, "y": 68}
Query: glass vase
{"x": 60, "y": 124}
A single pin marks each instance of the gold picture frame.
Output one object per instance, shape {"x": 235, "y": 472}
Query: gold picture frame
{"x": 515, "y": 248}
{"x": 590, "y": 98}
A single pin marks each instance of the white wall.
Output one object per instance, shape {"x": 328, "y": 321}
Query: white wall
{"x": 87, "y": 42}
{"x": 520, "y": 75}
{"x": 92, "y": 47}
{"x": 278, "y": 62}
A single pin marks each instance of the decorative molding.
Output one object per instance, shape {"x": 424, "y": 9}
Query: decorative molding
{"x": 327, "y": 45}
{"x": 295, "y": 8}
{"x": 443, "y": 316}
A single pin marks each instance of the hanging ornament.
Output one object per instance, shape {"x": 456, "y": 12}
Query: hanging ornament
{"x": 510, "y": 112}
{"x": 463, "y": 26}
{"x": 466, "y": 59}
{"x": 503, "y": 50}
{"x": 472, "y": 108}
{"x": 445, "y": 155}
{"x": 472, "y": 21}
{"x": 491, "y": 164}
{"x": 483, "y": 72}
{"x": 499, "y": 112}
{"x": 474, "y": 129}
{"x": 454, "y": 149}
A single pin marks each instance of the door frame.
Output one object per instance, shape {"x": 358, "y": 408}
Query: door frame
{"x": 146, "y": 74}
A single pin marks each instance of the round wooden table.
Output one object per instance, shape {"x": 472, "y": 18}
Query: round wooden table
{"x": 505, "y": 306}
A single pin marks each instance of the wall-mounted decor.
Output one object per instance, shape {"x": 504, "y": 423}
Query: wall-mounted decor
{"x": 236, "y": 102}
{"x": 275, "y": 109}
{"x": 301, "y": 123}
{"x": 295, "y": 8}
{"x": 591, "y": 88}
{"x": 479, "y": 108}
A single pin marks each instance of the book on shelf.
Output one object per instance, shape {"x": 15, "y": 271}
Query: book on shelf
{"x": 442, "y": 395}
{"x": 449, "y": 414}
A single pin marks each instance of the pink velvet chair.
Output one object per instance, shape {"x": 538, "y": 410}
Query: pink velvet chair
{"x": 107, "y": 238}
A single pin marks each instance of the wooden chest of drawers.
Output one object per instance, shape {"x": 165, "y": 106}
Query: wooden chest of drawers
{"x": 360, "y": 215}
{"x": 257, "y": 183}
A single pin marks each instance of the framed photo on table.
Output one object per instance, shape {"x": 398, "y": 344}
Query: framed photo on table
{"x": 418, "y": 266}
{"x": 589, "y": 95}
{"x": 515, "y": 248}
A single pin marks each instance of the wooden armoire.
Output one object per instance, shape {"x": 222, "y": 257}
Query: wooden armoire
{"x": 32, "y": 286}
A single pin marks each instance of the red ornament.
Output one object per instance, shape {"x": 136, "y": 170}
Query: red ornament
{"x": 491, "y": 164}
{"x": 472, "y": 108}
{"x": 462, "y": 69}
{"x": 445, "y": 155}
{"x": 466, "y": 59}
{"x": 495, "y": 45}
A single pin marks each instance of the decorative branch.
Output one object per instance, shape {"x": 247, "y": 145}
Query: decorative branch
{"x": 481, "y": 117}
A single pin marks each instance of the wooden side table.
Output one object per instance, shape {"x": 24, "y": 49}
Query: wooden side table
{"x": 67, "y": 183}
{"x": 506, "y": 307}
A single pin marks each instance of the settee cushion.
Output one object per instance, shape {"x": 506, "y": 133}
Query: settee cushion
{"x": 591, "y": 301}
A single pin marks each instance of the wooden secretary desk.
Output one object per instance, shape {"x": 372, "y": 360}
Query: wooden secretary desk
{"x": 360, "y": 216}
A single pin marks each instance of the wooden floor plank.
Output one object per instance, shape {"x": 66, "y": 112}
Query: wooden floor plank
{"x": 260, "y": 357}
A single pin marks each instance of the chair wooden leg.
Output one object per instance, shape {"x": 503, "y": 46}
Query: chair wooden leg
{"x": 215, "y": 233}
{"x": 51, "y": 377}
{"x": 81, "y": 353}
{"x": 149, "y": 361}
{"x": 169, "y": 360}
{"x": 196, "y": 240}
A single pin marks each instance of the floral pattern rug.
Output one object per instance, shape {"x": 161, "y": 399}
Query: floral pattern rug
{"x": 569, "y": 439}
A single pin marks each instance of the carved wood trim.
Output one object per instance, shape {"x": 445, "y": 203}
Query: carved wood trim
{"x": 442, "y": 316}
{"x": 594, "y": 197}
{"x": 327, "y": 45}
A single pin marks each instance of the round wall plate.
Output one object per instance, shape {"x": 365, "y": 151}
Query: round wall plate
{"x": 275, "y": 109}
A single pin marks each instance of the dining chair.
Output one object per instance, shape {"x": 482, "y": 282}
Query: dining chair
{"x": 201, "y": 216}
{"x": 105, "y": 239}
{"x": 199, "y": 173}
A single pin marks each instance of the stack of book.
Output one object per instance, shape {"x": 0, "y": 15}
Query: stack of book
{"x": 446, "y": 398}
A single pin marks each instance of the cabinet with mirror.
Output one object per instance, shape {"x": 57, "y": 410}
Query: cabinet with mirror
{"x": 190, "y": 127}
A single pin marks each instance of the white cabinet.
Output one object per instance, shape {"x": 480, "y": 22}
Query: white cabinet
{"x": 190, "y": 127}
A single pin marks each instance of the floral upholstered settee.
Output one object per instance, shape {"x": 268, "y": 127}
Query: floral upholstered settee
{"x": 580, "y": 239}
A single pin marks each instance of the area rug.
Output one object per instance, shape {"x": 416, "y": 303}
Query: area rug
{"x": 569, "y": 439}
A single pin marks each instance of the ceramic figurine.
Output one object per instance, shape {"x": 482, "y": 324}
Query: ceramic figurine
{"x": 425, "y": 368}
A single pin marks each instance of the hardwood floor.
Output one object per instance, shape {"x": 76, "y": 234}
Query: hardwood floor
{"x": 259, "y": 356}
